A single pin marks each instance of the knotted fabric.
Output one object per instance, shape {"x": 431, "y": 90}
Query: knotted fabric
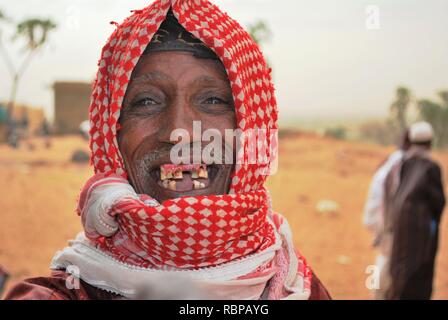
{"x": 187, "y": 232}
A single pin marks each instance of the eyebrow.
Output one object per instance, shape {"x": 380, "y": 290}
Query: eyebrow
{"x": 150, "y": 76}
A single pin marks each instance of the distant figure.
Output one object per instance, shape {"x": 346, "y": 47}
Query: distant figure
{"x": 24, "y": 130}
{"x": 25, "y": 121}
{"x": 25, "y": 125}
{"x": 3, "y": 278}
{"x": 414, "y": 201}
{"x": 46, "y": 133}
{"x": 374, "y": 208}
{"x": 12, "y": 133}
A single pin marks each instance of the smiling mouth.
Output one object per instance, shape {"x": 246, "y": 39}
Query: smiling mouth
{"x": 184, "y": 177}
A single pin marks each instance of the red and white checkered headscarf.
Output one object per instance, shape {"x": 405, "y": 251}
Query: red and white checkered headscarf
{"x": 250, "y": 79}
{"x": 188, "y": 232}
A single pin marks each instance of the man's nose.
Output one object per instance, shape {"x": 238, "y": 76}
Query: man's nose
{"x": 177, "y": 123}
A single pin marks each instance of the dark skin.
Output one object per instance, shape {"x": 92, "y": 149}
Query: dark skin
{"x": 169, "y": 90}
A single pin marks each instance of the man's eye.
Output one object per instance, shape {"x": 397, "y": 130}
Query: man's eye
{"x": 145, "y": 102}
{"x": 215, "y": 100}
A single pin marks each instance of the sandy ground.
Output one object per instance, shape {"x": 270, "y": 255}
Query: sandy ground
{"x": 39, "y": 191}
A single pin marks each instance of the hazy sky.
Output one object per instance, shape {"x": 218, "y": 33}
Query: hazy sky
{"x": 326, "y": 61}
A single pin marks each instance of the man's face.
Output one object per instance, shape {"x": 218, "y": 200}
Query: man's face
{"x": 168, "y": 91}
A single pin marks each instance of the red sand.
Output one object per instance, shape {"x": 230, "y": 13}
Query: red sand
{"x": 40, "y": 188}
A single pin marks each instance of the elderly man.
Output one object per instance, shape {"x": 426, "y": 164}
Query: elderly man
{"x": 373, "y": 217}
{"x": 414, "y": 205}
{"x": 147, "y": 215}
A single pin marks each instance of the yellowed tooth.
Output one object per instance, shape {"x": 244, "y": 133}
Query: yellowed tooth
{"x": 194, "y": 173}
{"x": 172, "y": 185}
{"x": 203, "y": 173}
{"x": 169, "y": 175}
{"x": 178, "y": 174}
{"x": 196, "y": 184}
{"x": 163, "y": 173}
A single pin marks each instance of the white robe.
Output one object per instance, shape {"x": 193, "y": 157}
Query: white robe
{"x": 374, "y": 218}
{"x": 374, "y": 208}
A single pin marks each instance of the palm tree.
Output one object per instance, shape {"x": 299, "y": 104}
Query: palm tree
{"x": 444, "y": 97}
{"x": 260, "y": 32}
{"x": 35, "y": 33}
{"x": 400, "y": 106}
{"x": 436, "y": 114}
{"x": 4, "y": 19}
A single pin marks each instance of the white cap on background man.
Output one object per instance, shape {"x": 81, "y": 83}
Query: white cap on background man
{"x": 421, "y": 132}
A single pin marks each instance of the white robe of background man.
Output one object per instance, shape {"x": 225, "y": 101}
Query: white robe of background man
{"x": 374, "y": 211}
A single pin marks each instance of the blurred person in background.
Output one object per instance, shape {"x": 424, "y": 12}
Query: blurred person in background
{"x": 414, "y": 204}
{"x": 3, "y": 278}
{"x": 24, "y": 130}
{"x": 172, "y": 63}
{"x": 45, "y": 130}
{"x": 373, "y": 217}
{"x": 3, "y": 123}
